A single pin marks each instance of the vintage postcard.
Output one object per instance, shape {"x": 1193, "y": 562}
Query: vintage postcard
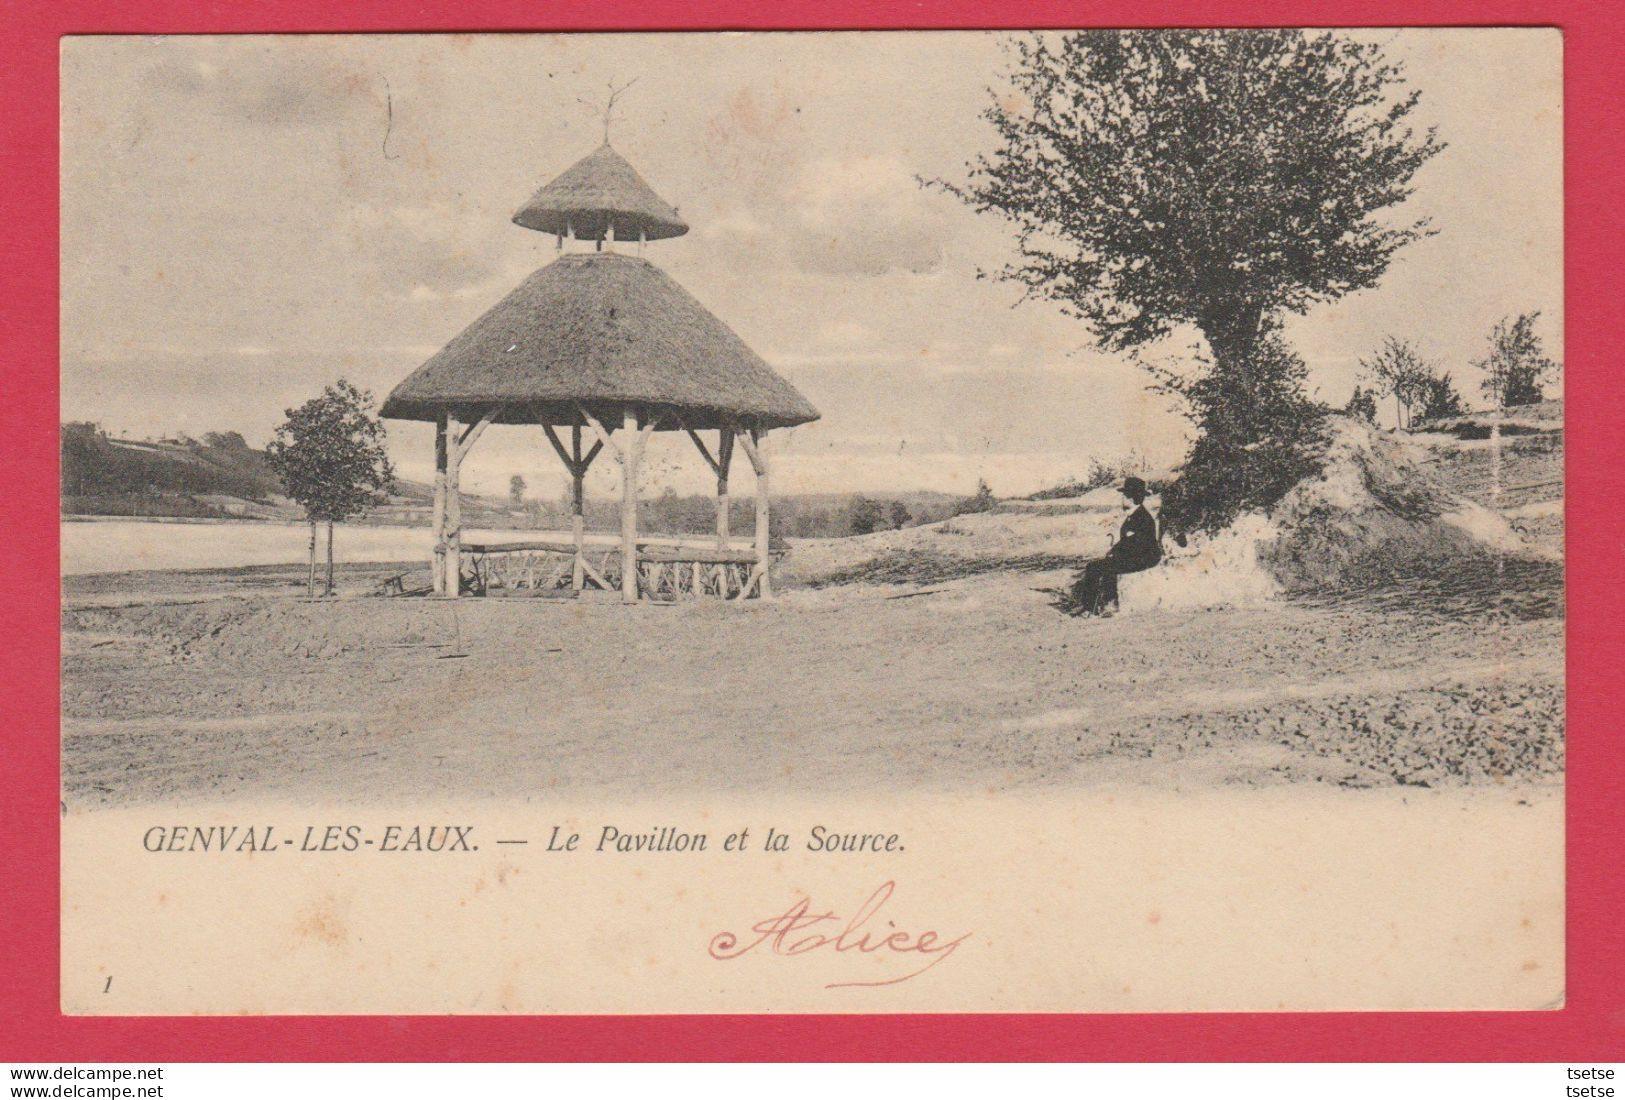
{"x": 819, "y": 522}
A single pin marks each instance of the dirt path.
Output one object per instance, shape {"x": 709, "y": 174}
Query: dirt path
{"x": 979, "y": 685}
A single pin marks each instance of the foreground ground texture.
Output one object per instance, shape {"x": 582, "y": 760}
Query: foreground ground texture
{"x": 930, "y": 659}
{"x": 974, "y": 683}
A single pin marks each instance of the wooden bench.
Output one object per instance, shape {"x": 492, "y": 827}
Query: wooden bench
{"x": 392, "y": 586}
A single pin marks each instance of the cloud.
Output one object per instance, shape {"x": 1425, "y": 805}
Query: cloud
{"x": 137, "y": 352}
{"x": 845, "y": 334}
{"x": 863, "y": 216}
{"x": 877, "y": 357}
{"x": 435, "y": 250}
{"x": 854, "y": 217}
{"x": 264, "y": 87}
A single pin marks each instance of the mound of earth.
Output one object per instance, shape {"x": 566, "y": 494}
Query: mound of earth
{"x": 1376, "y": 513}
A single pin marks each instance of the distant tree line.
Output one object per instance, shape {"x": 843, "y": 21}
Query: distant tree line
{"x": 99, "y": 473}
{"x": 814, "y": 516}
{"x": 1515, "y": 369}
{"x": 1421, "y": 391}
{"x": 1101, "y": 475}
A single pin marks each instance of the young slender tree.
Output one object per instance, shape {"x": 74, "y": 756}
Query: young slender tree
{"x": 329, "y": 453}
{"x": 1517, "y": 364}
{"x": 1397, "y": 369}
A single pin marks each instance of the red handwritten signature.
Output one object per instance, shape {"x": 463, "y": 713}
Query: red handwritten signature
{"x": 787, "y": 934}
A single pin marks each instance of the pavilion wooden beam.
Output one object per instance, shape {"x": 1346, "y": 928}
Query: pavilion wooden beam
{"x": 752, "y": 580}
{"x": 578, "y": 496}
{"x": 597, "y": 577}
{"x": 598, "y": 430}
{"x": 755, "y": 444}
{"x": 629, "y": 502}
{"x": 705, "y": 452}
{"x": 452, "y": 532}
{"x": 654, "y": 422}
{"x": 471, "y": 434}
{"x": 457, "y": 445}
{"x": 577, "y": 464}
{"x": 578, "y": 507}
{"x": 558, "y": 447}
{"x": 725, "y": 457}
{"x": 437, "y": 563}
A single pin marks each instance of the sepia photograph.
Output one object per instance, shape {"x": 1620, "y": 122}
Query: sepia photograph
{"x": 848, "y": 522}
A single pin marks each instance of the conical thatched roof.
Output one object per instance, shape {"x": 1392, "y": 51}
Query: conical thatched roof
{"x": 597, "y": 192}
{"x": 603, "y": 329}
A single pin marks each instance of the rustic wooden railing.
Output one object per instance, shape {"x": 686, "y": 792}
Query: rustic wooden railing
{"x": 665, "y": 572}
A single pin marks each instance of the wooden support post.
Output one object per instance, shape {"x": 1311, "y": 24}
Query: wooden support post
{"x": 452, "y": 559}
{"x": 578, "y": 464}
{"x": 458, "y": 447}
{"x": 437, "y": 565}
{"x": 578, "y": 504}
{"x": 629, "y": 505}
{"x": 755, "y": 444}
{"x": 725, "y": 457}
{"x": 763, "y": 549}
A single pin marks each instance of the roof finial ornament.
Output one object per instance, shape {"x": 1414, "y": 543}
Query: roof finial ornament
{"x": 599, "y": 194}
{"x": 608, "y": 110}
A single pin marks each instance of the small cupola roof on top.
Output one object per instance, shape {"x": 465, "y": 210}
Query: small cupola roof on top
{"x": 599, "y": 196}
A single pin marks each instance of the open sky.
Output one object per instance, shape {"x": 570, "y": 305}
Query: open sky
{"x": 246, "y": 219}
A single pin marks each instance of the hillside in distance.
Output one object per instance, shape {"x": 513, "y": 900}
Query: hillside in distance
{"x": 220, "y": 477}
{"x": 216, "y": 477}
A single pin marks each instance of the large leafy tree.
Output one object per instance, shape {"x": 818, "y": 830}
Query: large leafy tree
{"x": 1205, "y": 177}
{"x": 1210, "y": 178}
{"x": 330, "y": 456}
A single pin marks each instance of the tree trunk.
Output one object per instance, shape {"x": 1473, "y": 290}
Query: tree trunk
{"x": 329, "y": 557}
{"x": 1232, "y": 331}
{"x": 310, "y": 578}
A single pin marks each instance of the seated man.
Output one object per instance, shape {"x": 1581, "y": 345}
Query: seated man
{"x": 1137, "y": 548}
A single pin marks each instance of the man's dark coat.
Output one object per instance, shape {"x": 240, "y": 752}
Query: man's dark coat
{"x": 1137, "y": 547}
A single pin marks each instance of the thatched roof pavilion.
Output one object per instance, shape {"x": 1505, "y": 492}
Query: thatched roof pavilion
{"x": 598, "y": 194}
{"x": 601, "y": 329}
{"x": 596, "y": 342}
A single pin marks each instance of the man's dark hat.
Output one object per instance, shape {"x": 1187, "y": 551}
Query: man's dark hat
{"x": 1134, "y": 486}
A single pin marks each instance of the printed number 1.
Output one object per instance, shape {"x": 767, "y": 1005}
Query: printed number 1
{"x": 108, "y": 987}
